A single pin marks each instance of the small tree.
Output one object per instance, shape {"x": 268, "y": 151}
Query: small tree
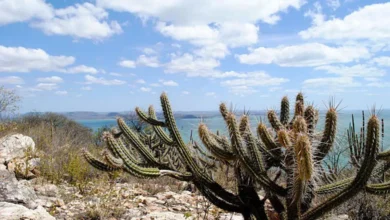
{"x": 8, "y": 101}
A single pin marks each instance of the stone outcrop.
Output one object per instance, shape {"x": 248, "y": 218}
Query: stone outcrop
{"x": 18, "y": 199}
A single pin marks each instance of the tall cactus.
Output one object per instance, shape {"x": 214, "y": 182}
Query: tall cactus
{"x": 293, "y": 148}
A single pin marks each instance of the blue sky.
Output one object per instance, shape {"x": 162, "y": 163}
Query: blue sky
{"x": 113, "y": 55}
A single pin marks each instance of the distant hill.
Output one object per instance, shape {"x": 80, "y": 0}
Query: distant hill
{"x": 88, "y": 115}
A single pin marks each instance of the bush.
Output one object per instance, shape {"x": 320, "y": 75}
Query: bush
{"x": 59, "y": 140}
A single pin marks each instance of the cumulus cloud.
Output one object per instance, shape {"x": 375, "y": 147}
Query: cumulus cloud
{"x": 80, "y": 21}
{"x": 145, "y": 89}
{"x": 11, "y": 80}
{"x": 359, "y": 70}
{"x": 20, "y": 59}
{"x": 102, "y": 81}
{"x": 23, "y": 10}
{"x": 370, "y": 22}
{"x": 148, "y": 61}
{"x": 82, "y": 69}
{"x": 45, "y": 86}
{"x": 308, "y": 54}
{"x": 192, "y": 65}
{"x": 52, "y": 79}
{"x": 204, "y": 11}
{"x": 168, "y": 82}
{"x": 382, "y": 61}
{"x": 127, "y": 63}
{"x": 247, "y": 82}
{"x": 331, "y": 83}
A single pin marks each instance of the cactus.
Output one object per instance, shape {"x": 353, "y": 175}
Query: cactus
{"x": 284, "y": 160}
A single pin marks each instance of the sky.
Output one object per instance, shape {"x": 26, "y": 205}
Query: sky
{"x": 114, "y": 55}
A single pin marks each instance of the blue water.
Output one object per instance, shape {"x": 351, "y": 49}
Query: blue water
{"x": 217, "y": 123}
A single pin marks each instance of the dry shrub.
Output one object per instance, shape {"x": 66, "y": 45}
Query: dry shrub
{"x": 59, "y": 141}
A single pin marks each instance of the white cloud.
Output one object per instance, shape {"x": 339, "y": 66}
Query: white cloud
{"x": 140, "y": 81}
{"x": 102, "y": 81}
{"x": 371, "y": 22}
{"x": 331, "y": 83}
{"x": 45, "y": 86}
{"x": 333, "y": 4}
{"x": 232, "y": 34}
{"x": 382, "y": 61}
{"x": 168, "y": 83}
{"x": 193, "y": 66}
{"x": 308, "y": 54}
{"x": 86, "y": 88}
{"x": 379, "y": 84}
{"x": 185, "y": 93}
{"x": 20, "y": 59}
{"x": 359, "y": 70}
{"x": 204, "y": 11}
{"x": 145, "y": 89}
{"x": 63, "y": 92}
{"x": 148, "y": 61}
{"x": 217, "y": 50}
{"x": 149, "y": 51}
{"x": 80, "y": 21}
{"x": 52, "y": 79}
{"x": 246, "y": 82}
{"x": 127, "y": 63}
{"x": 23, "y": 10}
{"x": 82, "y": 69}
{"x": 11, "y": 80}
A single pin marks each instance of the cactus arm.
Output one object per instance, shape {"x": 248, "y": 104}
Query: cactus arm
{"x": 231, "y": 205}
{"x": 254, "y": 153}
{"x": 359, "y": 182}
{"x": 147, "y": 119}
{"x": 274, "y": 121}
{"x": 378, "y": 189}
{"x": 132, "y": 137}
{"x": 98, "y": 164}
{"x": 159, "y": 131}
{"x": 328, "y": 136}
{"x": 212, "y": 145}
{"x": 385, "y": 155}
{"x": 284, "y": 111}
{"x": 112, "y": 160}
{"x": 268, "y": 140}
{"x": 310, "y": 118}
{"x": 129, "y": 165}
{"x": 196, "y": 146}
{"x": 238, "y": 148}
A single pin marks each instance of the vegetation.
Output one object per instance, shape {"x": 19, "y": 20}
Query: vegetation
{"x": 285, "y": 161}
{"x": 8, "y": 101}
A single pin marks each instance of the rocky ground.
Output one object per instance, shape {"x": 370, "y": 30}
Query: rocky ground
{"x": 24, "y": 196}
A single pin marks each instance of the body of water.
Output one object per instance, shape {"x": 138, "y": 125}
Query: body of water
{"x": 217, "y": 123}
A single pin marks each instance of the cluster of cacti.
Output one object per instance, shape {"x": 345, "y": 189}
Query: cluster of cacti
{"x": 285, "y": 160}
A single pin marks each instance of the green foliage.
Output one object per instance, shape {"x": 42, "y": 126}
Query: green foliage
{"x": 285, "y": 160}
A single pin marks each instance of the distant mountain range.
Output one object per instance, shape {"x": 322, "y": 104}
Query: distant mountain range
{"x": 87, "y": 115}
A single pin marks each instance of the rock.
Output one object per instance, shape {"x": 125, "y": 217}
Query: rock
{"x": 165, "y": 216}
{"x": 9, "y": 211}
{"x": 14, "y": 146}
{"x": 46, "y": 190}
{"x": 14, "y": 191}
